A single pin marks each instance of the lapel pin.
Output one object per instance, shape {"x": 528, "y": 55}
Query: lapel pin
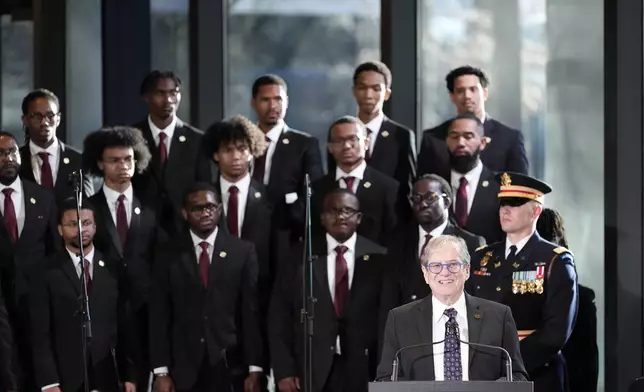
{"x": 182, "y": 138}
{"x": 477, "y": 315}
{"x": 367, "y": 184}
{"x": 515, "y": 265}
{"x": 285, "y": 141}
{"x": 257, "y": 195}
{"x": 222, "y": 254}
{"x": 365, "y": 257}
{"x": 485, "y": 184}
{"x": 488, "y": 139}
{"x": 66, "y": 161}
{"x": 32, "y": 200}
{"x": 137, "y": 210}
{"x": 385, "y": 134}
{"x": 497, "y": 265}
{"x": 101, "y": 263}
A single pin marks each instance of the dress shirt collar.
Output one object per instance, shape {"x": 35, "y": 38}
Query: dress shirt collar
{"x": 89, "y": 256}
{"x": 434, "y": 233}
{"x": 112, "y": 196}
{"x": 472, "y": 176}
{"x": 520, "y": 244}
{"x": 358, "y": 172}
{"x": 438, "y": 308}
{"x": 276, "y": 131}
{"x": 243, "y": 184}
{"x": 332, "y": 243}
{"x": 196, "y": 240}
{"x": 169, "y": 130}
{"x": 16, "y": 185}
{"x": 376, "y": 123}
{"x": 52, "y": 150}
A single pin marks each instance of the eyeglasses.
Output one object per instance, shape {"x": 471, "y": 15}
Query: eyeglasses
{"x": 437, "y": 268}
{"x": 84, "y": 224}
{"x": 346, "y": 212}
{"x": 352, "y": 140}
{"x": 201, "y": 209}
{"x": 8, "y": 152}
{"x": 50, "y": 117}
{"x": 429, "y": 197}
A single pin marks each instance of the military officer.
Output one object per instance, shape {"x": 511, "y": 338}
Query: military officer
{"x": 534, "y": 277}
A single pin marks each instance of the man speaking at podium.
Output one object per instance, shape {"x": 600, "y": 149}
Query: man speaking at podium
{"x": 427, "y": 338}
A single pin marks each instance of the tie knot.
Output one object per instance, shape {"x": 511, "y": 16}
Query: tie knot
{"x": 513, "y": 249}
{"x": 428, "y": 237}
{"x": 233, "y": 190}
{"x": 463, "y": 181}
{"x": 121, "y": 197}
{"x": 7, "y": 192}
{"x": 340, "y": 250}
{"x": 43, "y": 155}
{"x": 162, "y": 136}
{"x": 450, "y": 313}
{"x": 204, "y": 246}
{"x": 348, "y": 179}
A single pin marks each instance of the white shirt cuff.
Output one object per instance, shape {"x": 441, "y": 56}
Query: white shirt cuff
{"x": 162, "y": 369}
{"x": 290, "y": 198}
{"x": 50, "y": 386}
{"x": 255, "y": 369}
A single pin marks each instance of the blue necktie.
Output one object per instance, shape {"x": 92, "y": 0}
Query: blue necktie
{"x": 452, "y": 366}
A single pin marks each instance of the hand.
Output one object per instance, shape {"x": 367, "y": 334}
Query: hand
{"x": 164, "y": 384}
{"x": 251, "y": 383}
{"x": 289, "y": 384}
{"x": 130, "y": 387}
{"x": 52, "y": 389}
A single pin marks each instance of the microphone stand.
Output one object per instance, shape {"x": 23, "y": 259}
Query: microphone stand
{"x": 83, "y": 310}
{"x": 307, "y": 314}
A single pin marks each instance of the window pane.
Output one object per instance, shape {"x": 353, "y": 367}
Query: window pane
{"x": 545, "y": 65}
{"x": 169, "y": 24}
{"x": 314, "y": 45}
{"x": 17, "y": 70}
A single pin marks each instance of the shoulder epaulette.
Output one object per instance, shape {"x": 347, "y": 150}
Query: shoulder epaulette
{"x": 481, "y": 248}
{"x": 561, "y": 250}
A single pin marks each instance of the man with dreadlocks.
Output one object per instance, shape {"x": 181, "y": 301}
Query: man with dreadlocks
{"x": 125, "y": 228}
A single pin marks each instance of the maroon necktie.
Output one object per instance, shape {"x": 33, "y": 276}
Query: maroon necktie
{"x": 422, "y": 249}
{"x": 10, "y": 221}
{"x": 46, "y": 176}
{"x": 341, "y": 279}
{"x": 348, "y": 181}
{"x": 204, "y": 263}
{"x": 88, "y": 278}
{"x": 368, "y": 152}
{"x": 163, "y": 151}
{"x": 121, "y": 220}
{"x": 260, "y": 164}
{"x": 461, "y": 203}
{"x": 232, "y": 216}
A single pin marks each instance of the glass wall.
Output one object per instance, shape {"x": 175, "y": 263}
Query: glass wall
{"x": 170, "y": 44}
{"x": 314, "y": 45}
{"x": 545, "y": 64}
{"x": 17, "y": 70}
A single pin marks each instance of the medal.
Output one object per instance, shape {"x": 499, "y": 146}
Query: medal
{"x": 515, "y": 283}
{"x": 539, "y": 280}
{"x": 485, "y": 259}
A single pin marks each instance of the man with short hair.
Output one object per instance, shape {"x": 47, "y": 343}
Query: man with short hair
{"x": 452, "y": 315}
{"x": 468, "y": 91}
{"x": 535, "y": 278}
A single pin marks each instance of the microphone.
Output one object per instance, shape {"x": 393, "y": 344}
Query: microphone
{"x": 394, "y": 366}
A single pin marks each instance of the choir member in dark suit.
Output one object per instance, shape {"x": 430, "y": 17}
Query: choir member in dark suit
{"x": 431, "y": 200}
{"x": 55, "y": 301}
{"x": 348, "y": 275}
{"x": 581, "y": 352}
{"x": 8, "y": 376}
{"x": 28, "y": 234}
{"x": 177, "y": 161}
{"x": 392, "y": 146}
{"x": 378, "y": 193}
{"x": 126, "y": 230}
{"x": 46, "y": 160}
{"x": 476, "y": 205}
{"x": 247, "y": 213}
{"x": 290, "y": 155}
{"x": 468, "y": 90}
{"x": 204, "y": 326}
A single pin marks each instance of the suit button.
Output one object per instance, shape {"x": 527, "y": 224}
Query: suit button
{"x": 205, "y": 317}
{"x": 547, "y": 365}
{"x": 413, "y": 297}
{"x": 202, "y": 340}
{"x": 498, "y": 288}
{"x": 332, "y": 348}
{"x": 478, "y": 287}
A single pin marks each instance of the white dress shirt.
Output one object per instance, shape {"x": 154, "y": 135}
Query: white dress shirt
{"x": 374, "y": 126}
{"x": 438, "y": 330}
{"x": 357, "y": 174}
{"x": 519, "y": 244}
{"x": 196, "y": 240}
{"x": 17, "y": 196}
{"x": 169, "y": 131}
{"x": 350, "y": 258}
{"x": 434, "y": 233}
{"x": 273, "y": 135}
{"x": 112, "y": 198}
{"x": 242, "y": 197}
{"x": 36, "y": 162}
{"x": 472, "y": 177}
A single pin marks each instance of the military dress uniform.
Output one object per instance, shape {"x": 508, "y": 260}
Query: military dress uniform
{"x": 538, "y": 282}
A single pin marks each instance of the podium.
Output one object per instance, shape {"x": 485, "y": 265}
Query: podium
{"x": 451, "y": 386}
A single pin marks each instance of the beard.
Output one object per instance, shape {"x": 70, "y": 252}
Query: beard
{"x": 464, "y": 163}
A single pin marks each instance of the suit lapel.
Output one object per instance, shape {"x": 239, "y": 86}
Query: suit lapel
{"x": 483, "y": 193}
{"x": 385, "y": 148}
{"x": 282, "y": 154}
{"x": 64, "y": 166}
{"x": 219, "y": 261}
{"x": 69, "y": 268}
{"x": 30, "y": 204}
{"x": 320, "y": 269}
{"x": 426, "y": 333}
{"x": 365, "y": 185}
{"x": 253, "y": 203}
{"x": 474, "y": 320}
{"x": 108, "y": 222}
{"x": 189, "y": 260}
{"x": 26, "y": 170}
{"x": 100, "y": 276}
{"x": 152, "y": 145}
{"x": 135, "y": 221}
{"x": 178, "y": 148}
{"x": 360, "y": 274}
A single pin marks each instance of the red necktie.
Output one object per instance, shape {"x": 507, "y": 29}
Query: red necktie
{"x": 341, "y": 279}
{"x": 461, "y": 203}
{"x": 422, "y": 249}
{"x": 88, "y": 278}
{"x": 204, "y": 263}
{"x": 10, "y": 221}
{"x": 348, "y": 181}
{"x": 163, "y": 151}
{"x": 232, "y": 217}
{"x": 121, "y": 220}
{"x": 46, "y": 176}
{"x": 260, "y": 164}
{"x": 368, "y": 152}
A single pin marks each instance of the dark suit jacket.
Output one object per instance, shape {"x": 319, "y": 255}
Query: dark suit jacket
{"x": 412, "y": 324}
{"x": 505, "y": 152}
{"x": 405, "y": 282}
{"x": 8, "y": 376}
{"x": 378, "y": 195}
{"x": 56, "y": 327}
{"x": 358, "y": 327}
{"x": 394, "y": 155}
{"x": 188, "y": 321}
{"x": 162, "y": 188}
{"x": 70, "y": 160}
